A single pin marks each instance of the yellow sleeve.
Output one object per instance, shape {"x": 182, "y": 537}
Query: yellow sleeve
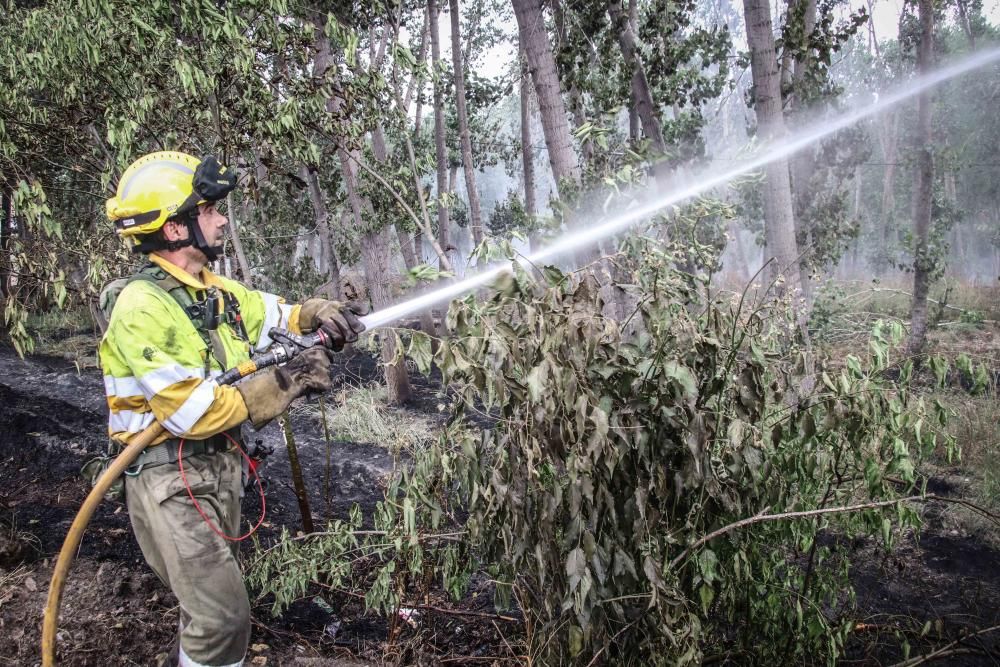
{"x": 166, "y": 375}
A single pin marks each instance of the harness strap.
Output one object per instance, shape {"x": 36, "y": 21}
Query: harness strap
{"x": 204, "y": 312}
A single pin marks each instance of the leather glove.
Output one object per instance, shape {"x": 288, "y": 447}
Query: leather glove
{"x": 268, "y": 394}
{"x": 339, "y": 321}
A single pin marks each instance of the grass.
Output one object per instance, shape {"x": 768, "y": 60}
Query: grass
{"x": 362, "y": 414}
{"x": 68, "y": 334}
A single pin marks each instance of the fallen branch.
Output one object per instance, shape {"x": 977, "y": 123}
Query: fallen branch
{"x": 948, "y": 649}
{"x": 762, "y": 517}
{"x": 427, "y": 607}
{"x": 892, "y": 290}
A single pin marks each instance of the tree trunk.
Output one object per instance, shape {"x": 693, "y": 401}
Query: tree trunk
{"x": 962, "y": 268}
{"x": 374, "y": 255}
{"x": 233, "y": 226}
{"x": 439, "y": 133}
{"x": 633, "y": 113}
{"x": 923, "y": 181}
{"x": 802, "y": 164}
{"x": 963, "y": 16}
{"x": 475, "y": 214}
{"x": 417, "y": 82}
{"x": 555, "y": 126}
{"x": 779, "y": 219}
{"x": 375, "y": 258}
{"x": 890, "y": 142}
{"x": 381, "y": 154}
{"x": 642, "y": 97}
{"x": 528, "y": 153}
{"x": 322, "y": 217}
{"x": 6, "y": 226}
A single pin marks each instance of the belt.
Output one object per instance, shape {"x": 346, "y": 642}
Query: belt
{"x": 167, "y": 451}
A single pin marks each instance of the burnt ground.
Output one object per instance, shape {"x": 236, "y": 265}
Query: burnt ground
{"x": 115, "y": 612}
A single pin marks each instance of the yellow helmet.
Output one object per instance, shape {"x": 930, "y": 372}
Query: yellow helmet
{"x": 164, "y": 185}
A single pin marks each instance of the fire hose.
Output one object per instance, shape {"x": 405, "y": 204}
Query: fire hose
{"x": 286, "y": 346}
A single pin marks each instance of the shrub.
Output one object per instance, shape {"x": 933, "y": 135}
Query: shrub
{"x": 630, "y": 493}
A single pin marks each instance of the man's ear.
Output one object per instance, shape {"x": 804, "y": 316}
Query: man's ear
{"x": 173, "y": 231}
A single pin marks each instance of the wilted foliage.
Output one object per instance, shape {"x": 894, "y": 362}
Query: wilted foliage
{"x": 610, "y": 458}
{"x": 612, "y": 455}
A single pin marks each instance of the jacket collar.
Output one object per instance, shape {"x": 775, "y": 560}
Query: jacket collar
{"x": 207, "y": 278}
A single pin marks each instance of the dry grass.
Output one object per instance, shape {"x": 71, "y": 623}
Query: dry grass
{"x": 362, "y": 414}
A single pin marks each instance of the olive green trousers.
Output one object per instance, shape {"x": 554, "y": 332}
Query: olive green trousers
{"x": 199, "y": 566}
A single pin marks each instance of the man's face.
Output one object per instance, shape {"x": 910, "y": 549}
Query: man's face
{"x": 212, "y": 223}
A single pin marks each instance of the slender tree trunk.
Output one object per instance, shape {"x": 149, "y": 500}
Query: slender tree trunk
{"x": 803, "y": 164}
{"x": 475, "y": 215}
{"x": 440, "y": 149}
{"x": 528, "y": 154}
{"x": 374, "y": 253}
{"x": 633, "y": 112}
{"x": 890, "y": 141}
{"x": 322, "y": 217}
{"x": 6, "y": 227}
{"x": 417, "y": 82}
{"x": 375, "y": 258}
{"x": 963, "y": 16}
{"x": 962, "y": 267}
{"x": 923, "y": 182}
{"x": 779, "y": 218}
{"x": 425, "y": 228}
{"x": 641, "y": 95}
{"x": 381, "y": 153}
{"x": 233, "y": 227}
{"x": 558, "y": 139}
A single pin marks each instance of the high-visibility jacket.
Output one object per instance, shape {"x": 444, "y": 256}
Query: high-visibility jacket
{"x": 157, "y": 365}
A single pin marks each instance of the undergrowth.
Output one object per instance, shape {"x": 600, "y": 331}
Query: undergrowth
{"x": 362, "y": 414}
{"x": 659, "y": 497}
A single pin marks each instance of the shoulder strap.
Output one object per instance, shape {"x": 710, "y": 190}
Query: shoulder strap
{"x": 155, "y": 275}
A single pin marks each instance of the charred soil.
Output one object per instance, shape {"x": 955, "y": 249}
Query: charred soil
{"x": 929, "y": 592}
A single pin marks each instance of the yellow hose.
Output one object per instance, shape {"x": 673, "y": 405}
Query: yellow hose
{"x": 75, "y": 535}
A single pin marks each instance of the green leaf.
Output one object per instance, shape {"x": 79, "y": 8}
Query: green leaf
{"x": 684, "y": 378}
{"x": 420, "y": 351}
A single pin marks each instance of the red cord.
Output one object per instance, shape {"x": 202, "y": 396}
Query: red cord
{"x": 263, "y": 504}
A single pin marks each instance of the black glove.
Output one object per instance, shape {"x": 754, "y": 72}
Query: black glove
{"x": 268, "y": 394}
{"x": 339, "y": 321}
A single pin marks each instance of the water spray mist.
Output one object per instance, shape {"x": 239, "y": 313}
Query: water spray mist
{"x": 698, "y": 184}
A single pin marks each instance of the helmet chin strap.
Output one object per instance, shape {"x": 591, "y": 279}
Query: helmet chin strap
{"x": 197, "y": 239}
{"x": 194, "y": 238}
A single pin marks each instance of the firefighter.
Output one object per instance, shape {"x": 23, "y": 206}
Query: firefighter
{"x": 175, "y": 326}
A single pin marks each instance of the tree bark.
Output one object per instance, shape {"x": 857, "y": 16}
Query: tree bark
{"x": 417, "y": 82}
{"x": 322, "y": 217}
{"x": 889, "y": 136}
{"x": 642, "y": 97}
{"x": 475, "y": 214}
{"x": 6, "y": 227}
{"x": 375, "y": 258}
{"x": 440, "y": 150}
{"x": 555, "y": 126}
{"x": 923, "y": 181}
{"x": 381, "y": 153}
{"x": 528, "y": 153}
{"x": 633, "y": 113}
{"x": 374, "y": 255}
{"x": 778, "y": 215}
{"x": 963, "y": 16}
{"x": 962, "y": 267}
{"x": 233, "y": 226}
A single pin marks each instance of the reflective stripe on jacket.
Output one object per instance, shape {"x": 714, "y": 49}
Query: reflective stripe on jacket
{"x": 157, "y": 365}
